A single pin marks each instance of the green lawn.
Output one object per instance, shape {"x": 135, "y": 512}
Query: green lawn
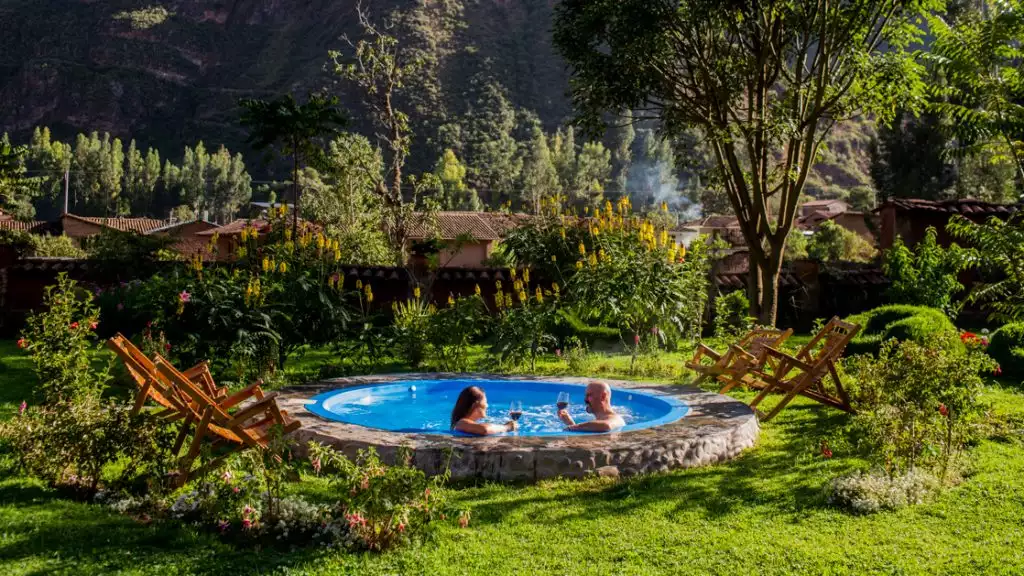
{"x": 763, "y": 513}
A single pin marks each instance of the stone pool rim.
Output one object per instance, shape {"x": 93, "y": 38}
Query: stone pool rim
{"x": 677, "y": 408}
{"x": 716, "y": 428}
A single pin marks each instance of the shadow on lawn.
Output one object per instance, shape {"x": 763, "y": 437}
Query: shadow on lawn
{"x": 77, "y": 538}
{"x": 781, "y": 472}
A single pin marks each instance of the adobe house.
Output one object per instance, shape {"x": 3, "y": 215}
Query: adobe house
{"x": 79, "y": 227}
{"x": 187, "y": 242}
{"x": 726, "y": 228}
{"x": 816, "y": 212}
{"x": 909, "y": 218}
{"x": 484, "y": 230}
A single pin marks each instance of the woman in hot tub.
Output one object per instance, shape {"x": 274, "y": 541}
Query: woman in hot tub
{"x": 470, "y": 408}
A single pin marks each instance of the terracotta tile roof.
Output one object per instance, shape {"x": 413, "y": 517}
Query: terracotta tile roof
{"x": 450, "y": 225}
{"x": 234, "y": 227}
{"x": 966, "y": 206}
{"x": 169, "y": 228}
{"x": 815, "y": 203}
{"x": 140, "y": 225}
{"x": 738, "y": 280}
{"x": 34, "y": 227}
{"x": 503, "y": 222}
{"x": 857, "y": 276}
{"x": 714, "y": 221}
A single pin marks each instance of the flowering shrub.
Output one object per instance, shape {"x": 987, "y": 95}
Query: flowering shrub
{"x": 74, "y": 444}
{"x": 411, "y": 326}
{"x": 451, "y": 329}
{"x": 523, "y": 320}
{"x": 925, "y": 275}
{"x": 59, "y": 339}
{"x": 916, "y": 403}
{"x": 869, "y": 492}
{"x": 383, "y": 506}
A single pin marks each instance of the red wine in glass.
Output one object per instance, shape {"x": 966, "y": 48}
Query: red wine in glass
{"x": 563, "y": 400}
{"x": 515, "y": 411}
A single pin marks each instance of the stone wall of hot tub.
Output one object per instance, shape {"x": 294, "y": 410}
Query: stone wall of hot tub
{"x": 715, "y": 429}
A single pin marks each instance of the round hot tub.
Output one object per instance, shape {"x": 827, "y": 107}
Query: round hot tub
{"x": 402, "y": 415}
{"x": 424, "y": 406}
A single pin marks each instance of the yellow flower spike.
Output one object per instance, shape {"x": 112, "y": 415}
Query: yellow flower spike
{"x": 601, "y": 255}
{"x": 512, "y": 273}
{"x": 522, "y": 296}
{"x": 266, "y": 264}
{"x": 359, "y": 284}
{"x": 289, "y": 246}
{"x": 526, "y": 275}
{"x": 539, "y": 295}
{"x": 582, "y": 249}
{"x": 416, "y": 292}
{"x": 517, "y": 285}
{"x": 554, "y": 287}
{"x": 579, "y": 264}
{"x": 431, "y": 308}
{"x": 369, "y": 297}
{"x": 499, "y": 301}
{"x": 508, "y": 300}
{"x": 283, "y": 268}
{"x": 476, "y": 289}
{"x": 586, "y": 210}
{"x": 554, "y": 258}
{"x": 451, "y": 300}
{"x": 592, "y": 260}
{"x": 664, "y": 206}
{"x": 287, "y": 233}
{"x": 497, "y": 284}
{"x": 562, "y": 232}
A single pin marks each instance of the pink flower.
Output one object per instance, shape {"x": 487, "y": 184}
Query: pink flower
{"x": 149, "y": 324}
{"x": 426, "y": 493}
{"x": 825, "y": 450}
{"x": 636, "y": 339}
{"x": 235, "y": 489}
{"x": 184, "y": 296}
{"x": 74, "y": 325}
{"x": 223, "y": 525}
{"x": 167, "y": 347}
{"x": 247, "y": 510}
{"x": 226, "y": 476}
{"x": 558, "y": 352}
{"x": 401, "y": 527}
{"x": 998, "y": 371}
{"x": 22, "y": 408}
{"x": 316, "y": 465}
{"x": 463, "y": 520}
{"x": 654, "y": 330}
{"x": 22, "y": 343}
{"x": 943, "y": 410}
{"x": 984, "y": 341}
{"x": 246, "y": 523}
{"x": 93, "y": 325}
{"x": 120, "y": 306}
{"x": 365, "y": 484}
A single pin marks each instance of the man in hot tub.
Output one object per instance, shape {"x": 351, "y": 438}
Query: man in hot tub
{"x": 598, "y": 399}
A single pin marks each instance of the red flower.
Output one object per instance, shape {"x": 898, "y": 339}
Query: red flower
{"x": 636, "y": 339}
{"x": 22, "y": 343}
{"x": 943, "y": 410}
{"x": 984, "y": 341}
{"x": 22, "y": 408}
{"x": 167, "y": 347}
{"x": 998, "y": 371}
{"x": 825, "y": 450}
{"x": 968, "y": 336}
{"x": 74, "y": 325}
{"x": 93, "y": 325}
{"x": 401, "y": 527}
{"x": 184, "y": 296}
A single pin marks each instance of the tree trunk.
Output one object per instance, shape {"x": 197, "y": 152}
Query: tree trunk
{"x": 763, "y": 284}
{"x": 295, "y": 193}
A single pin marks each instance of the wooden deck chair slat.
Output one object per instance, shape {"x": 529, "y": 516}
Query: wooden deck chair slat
{"x": 738, "y": 358}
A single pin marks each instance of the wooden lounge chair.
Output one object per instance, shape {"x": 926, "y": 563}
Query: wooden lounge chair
{"x": 805, "y": 374}
{"x": 251, "y": 426}
{"x": 151, "y": 387}
{"x": 739, "y": 359}
{"x": 124, "y": 348}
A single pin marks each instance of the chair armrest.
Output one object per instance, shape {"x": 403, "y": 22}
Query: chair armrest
{"x": 747, "y": 356}
{"x": 250, "y": 391}
{"x": 786, "y": 358}
{"x": 268, "y": 404}
{"x": 701, "y": 351}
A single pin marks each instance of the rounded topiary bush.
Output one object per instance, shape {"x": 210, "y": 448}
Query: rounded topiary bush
{"x": 1007, "y": 347}
{"x": 902, "y": 322}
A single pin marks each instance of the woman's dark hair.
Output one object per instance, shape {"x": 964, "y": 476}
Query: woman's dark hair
{"x": 467, "y": 398}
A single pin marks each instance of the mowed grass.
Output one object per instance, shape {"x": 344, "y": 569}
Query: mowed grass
{"x": 763, "y": 513}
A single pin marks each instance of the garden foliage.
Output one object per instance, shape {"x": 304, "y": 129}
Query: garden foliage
{"x": 925, "y": 275}
{"x": 1007, "y": 348}
{"x": 731, "y": 317}
{"x": 902, "y": 322}
{"x": 996, "y": 248}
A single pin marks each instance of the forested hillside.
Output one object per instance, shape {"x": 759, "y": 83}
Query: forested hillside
{"x": 169, "y": 75}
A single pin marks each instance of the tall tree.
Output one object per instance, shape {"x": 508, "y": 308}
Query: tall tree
{"x": 379, "y": 68}
{"x": 621, "y": 143}
{"x": 539, "y": 177}
{"x": 593, "y": 170}
{"x": 295, "y": 129}
{"x": 16, "y": 188}
{"x": 766, "y": 81}
{"x": 453, "y": 193}
{"x": 53, "y": 159}
{"x": 229, "y": 185}
{"x": 909, "y": 158}
{"x": 492, "y": 152}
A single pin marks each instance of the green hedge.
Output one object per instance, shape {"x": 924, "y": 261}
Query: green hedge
{"x": 1007, "y": 347}
{"x": 902, "y": 322}
{"x": 567, "y": 324}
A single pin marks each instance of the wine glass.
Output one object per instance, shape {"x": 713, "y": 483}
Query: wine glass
{"x": 515, "y": 410}
{"x": 563, "y": 400}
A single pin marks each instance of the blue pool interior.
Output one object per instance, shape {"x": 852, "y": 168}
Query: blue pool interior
{"x": 424, "y": 406}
